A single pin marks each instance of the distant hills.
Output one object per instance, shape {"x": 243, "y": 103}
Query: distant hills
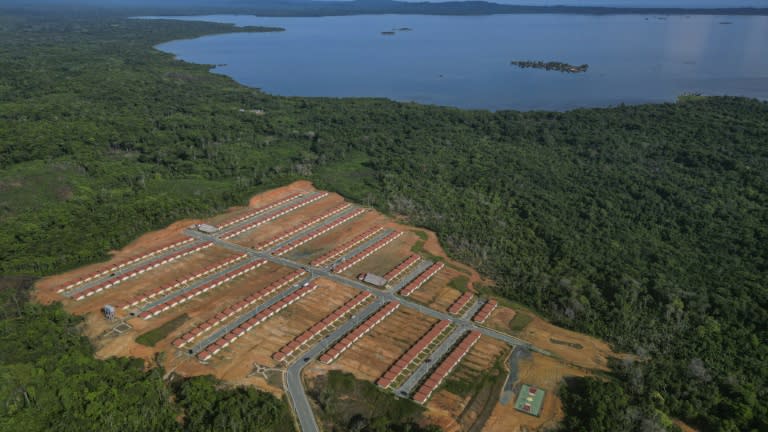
{"x": 357, "y": 7}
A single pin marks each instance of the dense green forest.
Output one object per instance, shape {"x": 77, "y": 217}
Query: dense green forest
{"x": 644, "y": 225}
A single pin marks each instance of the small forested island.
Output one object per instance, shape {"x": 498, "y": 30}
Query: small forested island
{"x": 555, "y": 66}
{"x": 395, "y": 30}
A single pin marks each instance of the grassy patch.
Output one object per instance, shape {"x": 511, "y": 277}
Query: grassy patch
{"x": 519, "y": 322}
{"x": 345, "y": 399}
{"x": 570, "y": 344}
{"x": 35, "y": 184}
{"x": 459, "y": 283}
{"x": 152, "y": 337}
{"x": 462, "y": 388}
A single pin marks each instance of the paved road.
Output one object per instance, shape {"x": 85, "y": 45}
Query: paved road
{"x": 421, "y": 266}
{"x": 192, "y": 285}
{"x": 219, "y": 332}
{"x": 293, "y": 384}
{"x": 82, "y": 287}
{"x": 473, "y": 309}
{"x": 317, "y": 225}
{"x": 441, "y": 351}
{"x": 264, "y": 213}
{"x": 357, "y": 249}
{"x": 294, "y": 387}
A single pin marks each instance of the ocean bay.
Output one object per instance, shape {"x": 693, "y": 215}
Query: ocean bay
{"x": 464, "y": 61}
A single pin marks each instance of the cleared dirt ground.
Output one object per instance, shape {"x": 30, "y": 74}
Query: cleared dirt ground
{"x": 586, "y": 351}
{"x": 386, "y": 258}
{"x": 336, "y": 237}
{"x": 155, "y": 278}
{"x": 270, "y": 229}
{"x": 375, "y": 352}
{"x": 266, "y": 339}
{"x": 500, "y": 319}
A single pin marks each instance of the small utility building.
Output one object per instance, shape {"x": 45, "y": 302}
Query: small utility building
{"x": 207, "y": 229}
{"x": 372, "y": 279}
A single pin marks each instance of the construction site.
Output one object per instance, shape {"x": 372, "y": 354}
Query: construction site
{"x": 301, "y": 282}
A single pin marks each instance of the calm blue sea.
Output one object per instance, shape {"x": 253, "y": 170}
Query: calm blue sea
{"x": 465, "y": 61}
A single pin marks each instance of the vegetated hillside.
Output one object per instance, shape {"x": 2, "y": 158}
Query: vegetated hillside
{"x": 644, "y": 225}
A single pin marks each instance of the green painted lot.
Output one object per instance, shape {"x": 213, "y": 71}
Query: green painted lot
{"x": 529, "y": 400}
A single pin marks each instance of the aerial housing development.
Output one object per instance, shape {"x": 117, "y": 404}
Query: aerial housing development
{"x": 305, "y": 283}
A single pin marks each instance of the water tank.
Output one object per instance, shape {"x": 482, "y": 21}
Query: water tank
{"x": 109, "y": 312}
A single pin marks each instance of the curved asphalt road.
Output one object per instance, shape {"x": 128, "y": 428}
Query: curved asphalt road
{"x": 293, "y": 384}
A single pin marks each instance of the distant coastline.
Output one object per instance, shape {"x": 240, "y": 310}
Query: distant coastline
{"x": 269, "y": 8}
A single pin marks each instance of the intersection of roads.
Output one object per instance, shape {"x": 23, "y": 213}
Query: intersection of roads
{"x": 292, "y": 380}
{"x": 293, "y": 383}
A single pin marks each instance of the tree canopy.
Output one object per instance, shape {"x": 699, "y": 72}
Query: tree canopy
{"x": 644, "y": 225}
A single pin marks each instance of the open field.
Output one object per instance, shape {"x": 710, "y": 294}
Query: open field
{"x": 466, "y": 399}
{"x": 502, "y": 318}
{"x": 575, "y": 348}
